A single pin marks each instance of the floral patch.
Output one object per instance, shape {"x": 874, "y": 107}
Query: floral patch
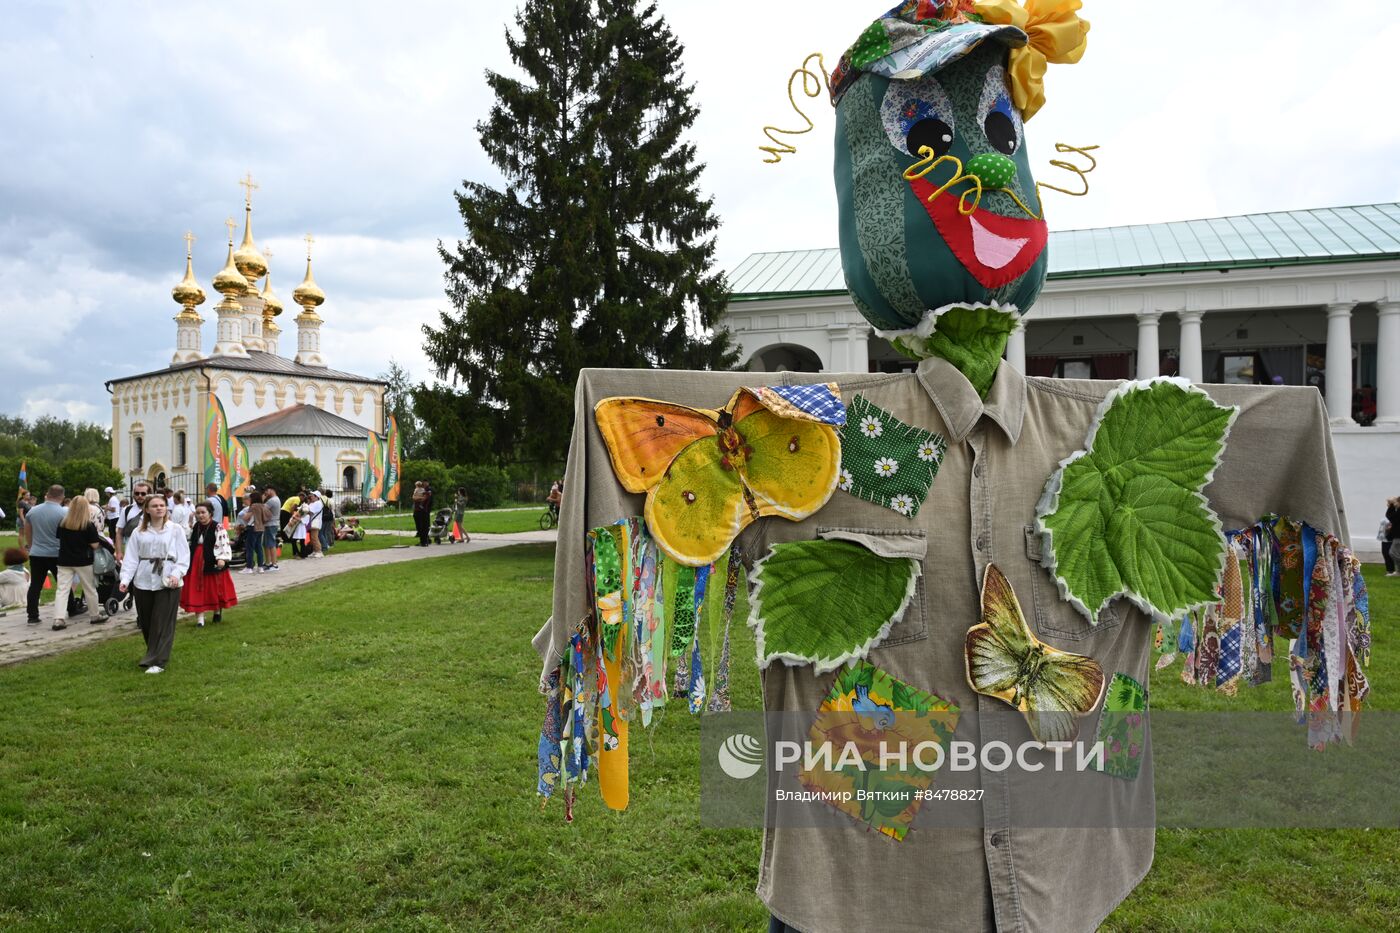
{"x": 885, "y": 461}
{"x": 1123, "y": 727}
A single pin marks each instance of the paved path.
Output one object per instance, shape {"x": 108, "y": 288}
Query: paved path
{"x": 20, "y": 641}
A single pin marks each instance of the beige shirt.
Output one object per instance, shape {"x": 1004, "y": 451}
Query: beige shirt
{"x": 980, "y": 509}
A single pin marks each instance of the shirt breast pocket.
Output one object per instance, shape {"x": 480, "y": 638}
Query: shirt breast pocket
{"x": 913, "y": 624}
{"x": 1054, "y": 617}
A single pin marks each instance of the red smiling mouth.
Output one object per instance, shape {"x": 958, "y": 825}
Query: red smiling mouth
{"x": 997, "y": 250}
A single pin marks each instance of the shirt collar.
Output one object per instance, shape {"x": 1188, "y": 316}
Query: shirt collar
{"x": 957, "y": 401}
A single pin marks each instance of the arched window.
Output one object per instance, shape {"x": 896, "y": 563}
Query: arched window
{"x": 138, "y": 453}
{"x": 180, "y": 445}
{"x": 348, "y": 478}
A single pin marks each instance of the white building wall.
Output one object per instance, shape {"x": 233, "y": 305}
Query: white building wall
{"x": 1368, "y": 462}
{"x": 155, "y": 408}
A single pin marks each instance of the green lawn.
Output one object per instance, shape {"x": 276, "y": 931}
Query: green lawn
{"x": 487, "y": 522}
{"x": 369, "y": 764}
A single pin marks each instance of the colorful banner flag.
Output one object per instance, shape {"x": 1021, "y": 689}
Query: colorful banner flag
{"x": 392, "y": 460}
{"x": 240, "y": 465}
{"x": 23, "y": 474}
{"x": 373, "y": 486}
{"x": 216, "y": 465}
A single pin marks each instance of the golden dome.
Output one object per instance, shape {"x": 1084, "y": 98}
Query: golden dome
{"x": 247, "y": 259}
{"x": 188, "y": 293}
{"x": 272, "y": 305}
{"x": 230, "y": 282}
{"x": 308, "y": 294}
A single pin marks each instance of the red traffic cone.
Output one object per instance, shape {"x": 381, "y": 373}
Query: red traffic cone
{"x": 456, "y": 532}
{"x": 48, "y": 582}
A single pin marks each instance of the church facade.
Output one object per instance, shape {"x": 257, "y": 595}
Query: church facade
{"x": 278, "y": 406}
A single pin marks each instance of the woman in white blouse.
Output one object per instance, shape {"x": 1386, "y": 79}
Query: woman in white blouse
{"x": 154, "y": 564}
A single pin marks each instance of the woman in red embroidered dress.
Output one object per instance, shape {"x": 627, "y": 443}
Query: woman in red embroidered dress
{"x": 208, "y": 587}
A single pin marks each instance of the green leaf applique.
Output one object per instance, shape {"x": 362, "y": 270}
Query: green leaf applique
{"x": 1126, "y": 516}
{"x": 826, "y": 602}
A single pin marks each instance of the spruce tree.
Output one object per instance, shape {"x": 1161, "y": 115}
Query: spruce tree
{"x": 599, "y": 249}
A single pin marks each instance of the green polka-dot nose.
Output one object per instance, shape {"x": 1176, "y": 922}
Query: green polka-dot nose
{"x": 994, "y": 169}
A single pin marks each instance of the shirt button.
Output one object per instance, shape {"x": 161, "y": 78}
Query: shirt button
{"x": 981, "y": 543}
{"x": 977, "y": 470}
{"x": 997, "y": 839}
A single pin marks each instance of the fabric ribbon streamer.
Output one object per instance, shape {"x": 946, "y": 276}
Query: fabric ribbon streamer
{"x": 1287, "y": 579}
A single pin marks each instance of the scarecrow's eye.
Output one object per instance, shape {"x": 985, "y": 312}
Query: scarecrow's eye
{"x": 916, "y": 114}
{"x": 1000, "y": 121}
{"x": 1001, "y": 132}
{"x": 931, "y": 132}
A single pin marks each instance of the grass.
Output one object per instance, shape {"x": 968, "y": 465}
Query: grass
{"x": 485, "y": 522}
{"x": 369, "y": 763}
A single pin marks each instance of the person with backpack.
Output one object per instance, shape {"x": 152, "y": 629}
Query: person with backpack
{"x": 276, "y": 519}
{"x": 327, "y": 521}
{"x": 77, "y": 540}
{"x": 218, "y": 506}
{"x": 131, "y": 514}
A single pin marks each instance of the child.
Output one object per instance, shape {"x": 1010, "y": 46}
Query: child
{"x": 14, "y": 579}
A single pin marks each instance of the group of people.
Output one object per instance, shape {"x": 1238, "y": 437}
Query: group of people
{"x": 161, "y": 560}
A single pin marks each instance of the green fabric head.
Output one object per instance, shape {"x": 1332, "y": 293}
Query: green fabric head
{"x": 909, "y": 252}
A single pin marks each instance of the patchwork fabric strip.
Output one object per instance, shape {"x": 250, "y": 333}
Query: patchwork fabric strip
{"x": 820, "y": 402}
{"x": 887, "y": 462}
{"x": 865, "y": 709}
{"x": 616, "y": 661}
{"x": 551, "y": 734}
{"x": 1286, "y": 579}
{"x": 1122, "y": 727}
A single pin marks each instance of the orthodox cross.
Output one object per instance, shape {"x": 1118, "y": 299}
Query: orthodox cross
{"x": 230, "y": 223}
{"x": 248, "y": 185}
{"x": 309, "y": 240}
{"x": 189, "y": 244}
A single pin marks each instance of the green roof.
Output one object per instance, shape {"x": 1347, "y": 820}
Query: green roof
{"x": 1324, "y": 236}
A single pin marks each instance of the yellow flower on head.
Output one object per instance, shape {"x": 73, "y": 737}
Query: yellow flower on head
{"x": 1057, "y": 34}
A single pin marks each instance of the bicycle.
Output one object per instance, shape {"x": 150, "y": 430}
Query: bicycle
{"x": 550, "y": 518}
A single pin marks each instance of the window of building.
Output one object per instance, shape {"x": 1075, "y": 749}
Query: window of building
{"x": 180, "y": 448}
{"x": 1239, "y": 369}
{"x": 1075, "y": 369}
{"x": 348, "y": 477}
{"x": 138, "y": 452}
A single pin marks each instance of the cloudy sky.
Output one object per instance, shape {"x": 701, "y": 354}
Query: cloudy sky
{"x": 126, "y": 124}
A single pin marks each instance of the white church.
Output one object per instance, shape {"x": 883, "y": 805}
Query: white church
{"x": 279, "y": 406}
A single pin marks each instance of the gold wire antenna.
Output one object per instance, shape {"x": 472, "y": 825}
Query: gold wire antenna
{"x": 814, "y": 83}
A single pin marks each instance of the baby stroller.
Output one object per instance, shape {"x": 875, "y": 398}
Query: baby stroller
{"x": 104, "y": 572}
{"x": 442, "y": 526}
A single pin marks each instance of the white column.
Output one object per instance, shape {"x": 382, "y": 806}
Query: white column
{"x": 838, "y": 338}
{"x": 1387, "y": 359}
{"x": 1339, "y": 362}
{"x": 1016, "y": 347}
{"x": 1149, "y": 352}
{"x": 1191, "y": 367}
{"x": 859, "y": 348}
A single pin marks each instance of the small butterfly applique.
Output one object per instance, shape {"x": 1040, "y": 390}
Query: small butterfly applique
{"x": 1052, "y": 688}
